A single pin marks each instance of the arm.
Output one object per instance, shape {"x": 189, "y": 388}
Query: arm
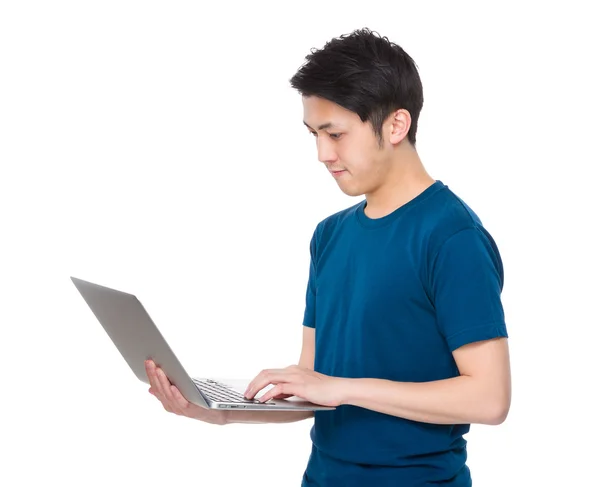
{"x": 481, "y": 394}
{"x": 307, "y": 360}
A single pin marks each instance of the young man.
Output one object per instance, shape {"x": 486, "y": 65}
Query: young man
{"x": 404, "y": 327}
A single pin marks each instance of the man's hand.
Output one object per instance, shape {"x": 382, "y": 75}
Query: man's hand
{"x": 174, "y": 402}
{"x": 298, "y": 381}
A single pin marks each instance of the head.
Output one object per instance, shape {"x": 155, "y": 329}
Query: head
{"x": 362, "y": 97}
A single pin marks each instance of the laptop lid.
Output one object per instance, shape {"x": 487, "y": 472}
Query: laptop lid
{"x": 136, "y": 336}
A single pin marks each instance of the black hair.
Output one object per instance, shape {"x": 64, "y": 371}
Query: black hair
{"x": 366, "y": 74}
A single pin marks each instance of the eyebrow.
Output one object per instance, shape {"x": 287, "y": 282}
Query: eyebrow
{"x": 323, "y": 126}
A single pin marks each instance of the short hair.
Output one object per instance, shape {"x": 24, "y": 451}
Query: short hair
{"x": 366, "y": 74}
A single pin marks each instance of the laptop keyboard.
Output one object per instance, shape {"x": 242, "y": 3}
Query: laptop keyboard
{"x": 219, "y": 392}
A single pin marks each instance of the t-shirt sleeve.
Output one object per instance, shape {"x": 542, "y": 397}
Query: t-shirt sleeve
{"x": 311, "y": 294}
{"x": 467, "y": 280}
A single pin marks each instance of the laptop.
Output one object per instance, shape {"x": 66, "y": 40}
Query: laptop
{"x": 137, "y": 338}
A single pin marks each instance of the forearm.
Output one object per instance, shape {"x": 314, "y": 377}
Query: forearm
{"x": 262, "y": 417}
{"x": 459, "y": 400}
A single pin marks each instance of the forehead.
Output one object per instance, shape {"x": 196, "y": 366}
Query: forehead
{"x": 319, "y": 111}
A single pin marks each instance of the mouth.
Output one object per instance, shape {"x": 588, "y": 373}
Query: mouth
{"x": 337, "y": 173}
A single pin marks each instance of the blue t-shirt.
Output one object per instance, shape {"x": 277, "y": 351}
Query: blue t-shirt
{"x": 391, "y": 298}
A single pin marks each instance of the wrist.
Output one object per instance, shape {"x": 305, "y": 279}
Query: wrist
{"x": 346, "y": 390}
{"x": 223, "y": 418}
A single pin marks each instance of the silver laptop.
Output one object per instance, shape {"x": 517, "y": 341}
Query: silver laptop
{"x": 137, "y": 338}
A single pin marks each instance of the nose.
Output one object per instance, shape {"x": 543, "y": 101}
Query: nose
{"x": 325, "y": 149}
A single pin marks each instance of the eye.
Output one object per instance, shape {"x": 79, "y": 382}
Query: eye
{"x": 335, "y": 136}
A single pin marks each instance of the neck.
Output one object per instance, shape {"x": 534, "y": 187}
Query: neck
{"x": 405, "y": 180}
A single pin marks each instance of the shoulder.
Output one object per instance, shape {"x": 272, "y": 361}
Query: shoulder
{"x": 448, "y": 215}
{"x": 326, "y": 227}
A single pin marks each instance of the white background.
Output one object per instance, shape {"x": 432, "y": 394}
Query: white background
{"x": 157, "y": 147}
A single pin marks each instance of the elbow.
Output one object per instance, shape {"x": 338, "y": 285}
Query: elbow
{"x": 497, "y": 412}
{"x": 497, "y": 417}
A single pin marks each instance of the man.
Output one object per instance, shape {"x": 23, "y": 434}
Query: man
{"x": 404, "y": 327}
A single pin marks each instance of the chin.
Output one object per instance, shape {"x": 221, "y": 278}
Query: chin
{"x": 351, "y": 191}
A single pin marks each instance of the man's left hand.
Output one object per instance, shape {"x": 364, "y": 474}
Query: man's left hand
{"x": 298, "y": 381}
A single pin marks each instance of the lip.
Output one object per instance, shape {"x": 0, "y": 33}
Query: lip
{"x": 337, "y": 173}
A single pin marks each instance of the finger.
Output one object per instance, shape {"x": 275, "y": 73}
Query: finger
{"x": 151, "y": 373}
{"x": 181, "y": 401}
{"x": 283, "y": 396}
{"x": 148, "y": 366}
{"x": 168, "y": 394}
{"x": 153, "y": 392}
{"x": 262, "y": 380}
{"x": 151, "y": 370}
{"x": 278, "y": 390}
{"x": 268, "y": 377}
{"x": 253, "y": 385}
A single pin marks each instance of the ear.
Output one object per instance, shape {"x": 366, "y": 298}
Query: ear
{"x": 400, "y": 125}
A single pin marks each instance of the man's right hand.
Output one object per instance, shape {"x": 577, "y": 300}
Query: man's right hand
{"x": 174, "y": 402}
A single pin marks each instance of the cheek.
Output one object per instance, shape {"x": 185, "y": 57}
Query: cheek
{"x": 354, "y": 156}
{"x": 365, "y": 164}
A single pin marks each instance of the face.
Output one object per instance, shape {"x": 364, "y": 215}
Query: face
{"x": 346, "y": 144}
